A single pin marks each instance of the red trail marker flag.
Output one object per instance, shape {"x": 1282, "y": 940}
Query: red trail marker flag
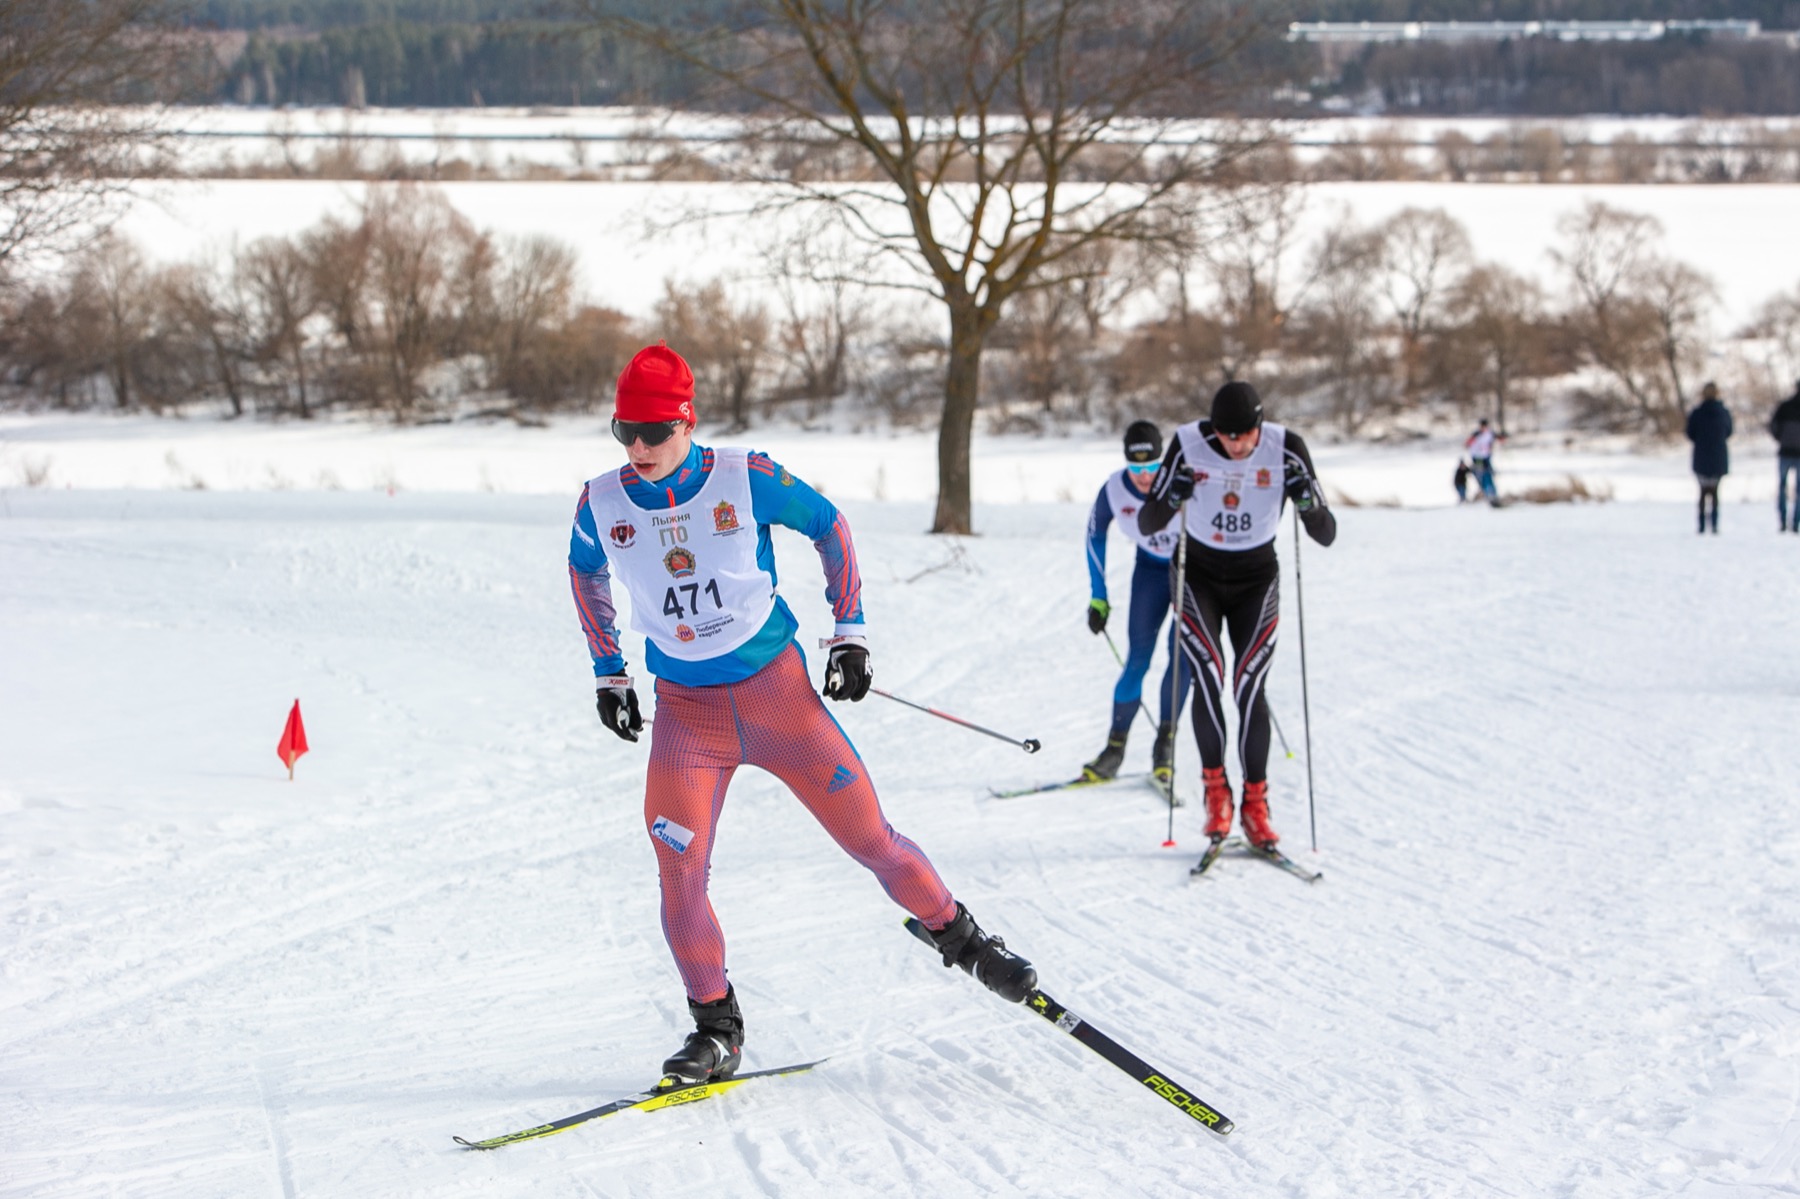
{"x": 293, "y": 740}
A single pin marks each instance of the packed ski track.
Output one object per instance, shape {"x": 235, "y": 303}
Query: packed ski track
{"x": 1553, "y": 954}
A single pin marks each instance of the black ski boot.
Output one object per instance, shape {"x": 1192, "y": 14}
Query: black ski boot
{"x": 714, "y": 1048}
{"x": 1107, "y": 765}
{"x": 1162, "y": 754}
{"x": 985, "y": 957}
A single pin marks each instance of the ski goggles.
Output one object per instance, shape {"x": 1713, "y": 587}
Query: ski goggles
{"x": 1144, "y": 468}
{"x": 650, "y": 432}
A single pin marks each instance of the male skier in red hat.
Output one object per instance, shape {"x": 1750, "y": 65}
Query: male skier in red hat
{"x": 686, "y": 529}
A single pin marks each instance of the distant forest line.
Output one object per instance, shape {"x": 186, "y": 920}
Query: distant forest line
{"x": 461, "y": 53}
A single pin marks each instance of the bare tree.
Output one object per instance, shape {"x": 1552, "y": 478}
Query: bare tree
{"x": 533, "y": 291}
{"x": 208, "y": 304}
{"x": 823, "y": 313}
{"x": 1496, "y": 337}
{"x": 1250, "y": 236}
{"x": 114, "y": 273}
{"x": 278, "y": 285}
{"x": 1046, "y": 338}
{"x": 67, "y": 149}
{"x": 419, "y": 250}
{"x": 1457, "y": 155}
{"x": 337, "y": 256}
{"x": 729, "y": 340}
{"x": 1680, "y": 300}
{"x": 44, "y": 348}
{"x": 1003, "y": 137}
{"x": 1423, "y": 252}
{"x": 1341, "y": 326}
{"x": 1636, "y": 315}
{"x": 1777, "y": 328}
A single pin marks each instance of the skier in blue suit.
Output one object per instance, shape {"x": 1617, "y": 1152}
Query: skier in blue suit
{"x": 1121, "y": 496}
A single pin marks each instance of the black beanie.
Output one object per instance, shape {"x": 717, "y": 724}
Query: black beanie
{"x": 1143, "y": 442}
{"x": 1236, "y": 409}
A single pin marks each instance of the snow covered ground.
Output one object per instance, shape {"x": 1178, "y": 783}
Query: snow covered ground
{"x": 90, "y": 451}
{"x": 220, "y": 137}
{"x": 1554, "y": 953}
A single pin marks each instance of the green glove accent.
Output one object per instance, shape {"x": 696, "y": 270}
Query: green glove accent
{"x": 1098, "y": 611}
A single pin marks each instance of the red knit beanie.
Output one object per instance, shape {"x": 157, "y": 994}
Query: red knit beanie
{"x": 655, "y": 385}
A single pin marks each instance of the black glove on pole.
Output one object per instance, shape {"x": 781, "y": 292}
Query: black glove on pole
{"x": 1180, "y": 489}
{"x": 848, "y": 673}
{"x": 617, "y": 701}
{"x": 1298, "y": 486}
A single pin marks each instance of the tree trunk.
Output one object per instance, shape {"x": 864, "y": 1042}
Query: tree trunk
{"x": 227, "y": 375}
{"x": 1501, "y": 379}
{"x": 962, "y": 391}
{"x": 300, "y": 377}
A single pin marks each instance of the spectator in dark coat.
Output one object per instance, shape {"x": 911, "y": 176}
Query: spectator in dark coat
{"x": 1709, "y": 427}
{"x": 1784, "y": 427}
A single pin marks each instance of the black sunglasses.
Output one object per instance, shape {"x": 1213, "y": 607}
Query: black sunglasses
{"x": 650, "y": 432}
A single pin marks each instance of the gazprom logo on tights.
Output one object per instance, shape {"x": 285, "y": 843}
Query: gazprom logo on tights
{"x": 671, "y": 834}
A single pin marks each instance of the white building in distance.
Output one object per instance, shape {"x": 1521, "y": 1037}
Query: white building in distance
{"x": 1355, "y": 32}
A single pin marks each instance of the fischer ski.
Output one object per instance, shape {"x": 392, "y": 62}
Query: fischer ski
{"x": 1165, "y": 1088}
{"x": 1083, "y": 781}
{"x": 1163, "y": 782}
{"x": 666, "y": 1093}
{"x": 1269, "y": 854}
{"x": 1208, "y": 858}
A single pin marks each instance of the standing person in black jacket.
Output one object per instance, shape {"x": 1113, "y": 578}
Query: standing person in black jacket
{"x": 1784, "y": 427}
{"x": 1229, "y": 477}
{"x": 1709, "y": 427}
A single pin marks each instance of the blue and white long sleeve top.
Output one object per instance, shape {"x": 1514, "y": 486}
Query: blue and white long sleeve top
{"x": 776, "y": 498}
{"x": 1118, "y": 497}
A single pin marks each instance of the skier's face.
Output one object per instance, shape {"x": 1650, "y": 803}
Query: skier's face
{"x": 656, "y": 462}
{"x": 1241, "y": 445}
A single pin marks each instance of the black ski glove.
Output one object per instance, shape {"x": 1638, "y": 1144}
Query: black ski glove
{"x": 617, "y": 702}
{"x": 1098, "y": 611}
{"x": 1299, "y": 487}
{"x": 1180, "y": 489}
{"x": 848, "y": 674}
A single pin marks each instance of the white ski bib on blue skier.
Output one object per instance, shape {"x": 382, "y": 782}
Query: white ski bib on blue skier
{"x": 696, "y": 589}
{"x": 1237, "y": 502}
{"x": 1125, "y": 504}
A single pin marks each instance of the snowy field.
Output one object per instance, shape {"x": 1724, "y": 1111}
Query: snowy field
{"x": 1554, "y": 953}
{"x": 85, "y": 451}
{"x": 223, "y": 137}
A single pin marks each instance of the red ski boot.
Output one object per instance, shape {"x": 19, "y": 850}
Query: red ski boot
{"x": 1218, "y": 802}
{"x": 1256, "y": 816}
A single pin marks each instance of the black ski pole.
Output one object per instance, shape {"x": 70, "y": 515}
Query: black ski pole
{"x": 1305, "y": 701}
{"x": 1276, "y": 725}
{"x": 1030, "y": 744}
{"x": 1180, "y": 598}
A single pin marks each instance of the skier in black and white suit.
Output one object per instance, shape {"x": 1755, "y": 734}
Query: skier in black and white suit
{"x": 1230, "y": 476}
